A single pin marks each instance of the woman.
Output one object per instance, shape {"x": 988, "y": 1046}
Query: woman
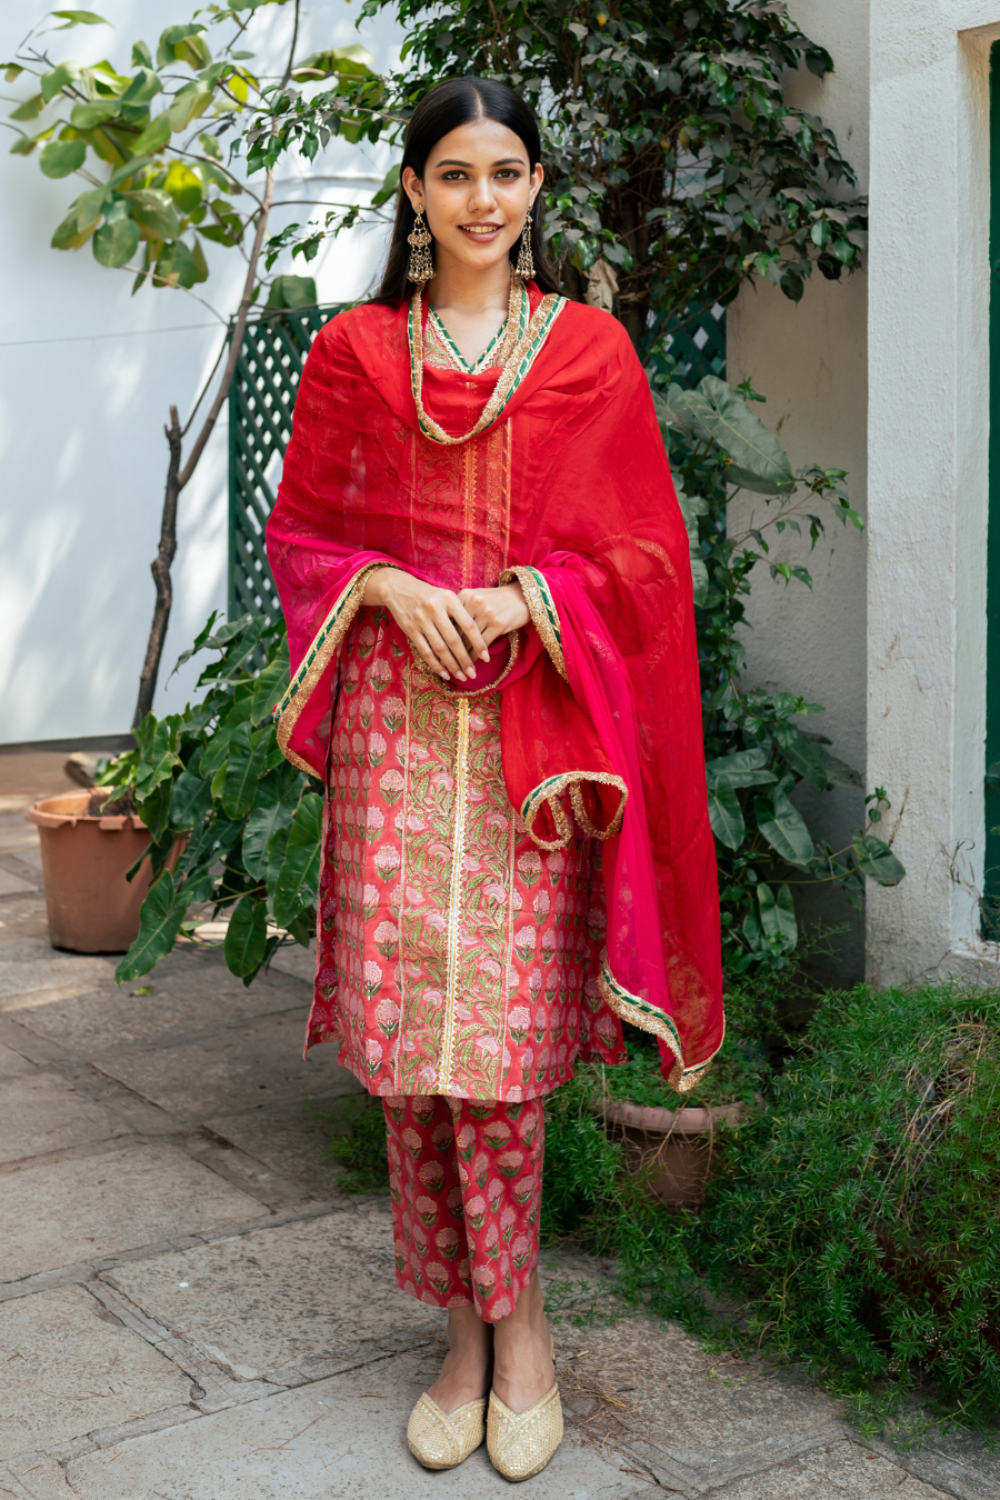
{"x": 486, "y": 581}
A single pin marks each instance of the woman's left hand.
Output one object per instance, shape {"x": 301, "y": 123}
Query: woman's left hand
{"x": 496, "y": 611}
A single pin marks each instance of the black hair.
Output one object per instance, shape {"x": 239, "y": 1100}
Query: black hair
{"x": 444, "y": 108}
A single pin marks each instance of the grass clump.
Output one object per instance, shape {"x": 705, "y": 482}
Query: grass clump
{"x": 356, "y": 1142}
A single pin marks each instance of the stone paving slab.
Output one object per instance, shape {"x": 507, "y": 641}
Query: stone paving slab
{"x": 296, "y": 1297}
{"x": 79, "y": 1209}
{"x": 839, "y": 1472}
{"x": 340, "y": 1439}
{"x": 23, "y": 916}
{"x": 193, "y": 994}
{"x": 257, "y": 1062}
{"x": 31, "y": 964}
{"x": 13, "y": 1064}
{"x": 285, "y": 1138}
{"x": 12, "y": 884}
{"x": 46, "y": 1113}
{"x": 67, "y": 1368}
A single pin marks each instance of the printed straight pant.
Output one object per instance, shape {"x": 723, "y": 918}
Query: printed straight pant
{"x": 466, "y": 1183}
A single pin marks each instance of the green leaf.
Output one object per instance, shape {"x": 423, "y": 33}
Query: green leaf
{"x": 81, "y": 221}
{"x": 141, "y": 55}
{"x": 298, "y": 880}
{"x": 275, "y": 803}
{"x": 189, "y": 102}
{"x": 784, "y": 828}
{"x": 292, "y": 291}
{"x": 159, "y": 758}
{"x": 175, "y": 266}
{"x": 160, "y": 917}
{"x": 30, "y": 109}
{"x": 759, "y": 462}
{"x": 389, "y": 185}
{"x": 186, "y": 44}
{"x": 190, "y": 800}
{"x": 726, "y": 816}
{"x": 184, "y": 186}
{"x": 804, "y": 756}
{"x": 246, "y": 937}
{"x": 244, "y": 768}
{"x": 145, "y": 85}
{"x": 53, "y": 83}
{"x": 335, "y": 62}
{"x": 276, "y": 850}
{"x": 79, "y": 18}
{"x": 777, "y": 916}
{"x": 154, "y": 211}
{"x": 98, "y": 112}
{"x": 675, "y": 410}
{"x": 876, "y": 860}
{"x": 60, "y": 158}
{"x": 115, "y": 244}
{"x": 741, "y": 768}
{"x": 154, "y": 137}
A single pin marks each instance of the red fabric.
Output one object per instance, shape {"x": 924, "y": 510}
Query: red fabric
{"x": 589, "y": 503}
{"x": 466, "y": 1186}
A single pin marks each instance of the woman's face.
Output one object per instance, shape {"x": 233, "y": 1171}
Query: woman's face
{"x": 476, "y": 191}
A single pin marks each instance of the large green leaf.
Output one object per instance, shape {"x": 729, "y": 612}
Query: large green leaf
{"x": 160, "y": 919}
{"x": 759, "y": 462}
{"x": 246, "y": 937}
{"x": 115, "y": 244}
{"x": 96, "y": 112}
{"x": 337, "y": 62}
{"x": 777, "y": 916}
{"x": 175, "y": 266}
{"x": 676, "y": 410}
{"x": 244, "y": 769}
{"x": 292, "y": 291}
{"x": 190, "y": 800}
{"x": 275, "y": 802}
{"x": 298, "y": 879}
{"x": 275, "y": 859}
{"x": 60, "y": 158}
{"x": 742, "y": 768}
{"x": 804, "y": 756}
{"x": 59, "y": 78}
{"x": 189, "y": 102}
{"x": 154, "y": 137}
{"x": 187, "y": 44}
{"x": 784, "y": 828}
{"x": 876, "y": 860}
{"x": 726, "y": 816}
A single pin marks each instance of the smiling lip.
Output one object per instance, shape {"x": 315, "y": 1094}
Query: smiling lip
{"x": 481, "y": 231}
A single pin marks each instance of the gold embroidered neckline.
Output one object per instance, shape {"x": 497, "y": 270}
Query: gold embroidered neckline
{"x": 531, "y": 335}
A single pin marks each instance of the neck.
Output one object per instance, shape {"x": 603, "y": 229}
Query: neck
{"x": 465, "y": 289}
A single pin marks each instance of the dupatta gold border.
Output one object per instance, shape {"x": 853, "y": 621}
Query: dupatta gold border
{"x": 551, "y": 789}
{"x": 316, "y": 660}
{"x": 646, "y": 1017}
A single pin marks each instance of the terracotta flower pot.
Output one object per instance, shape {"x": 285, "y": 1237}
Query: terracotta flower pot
{"x": 92, "y": 907}
{"x": 676, "y": 1143}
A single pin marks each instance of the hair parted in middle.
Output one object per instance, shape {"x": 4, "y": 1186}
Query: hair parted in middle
{"x": 455, "y": 102}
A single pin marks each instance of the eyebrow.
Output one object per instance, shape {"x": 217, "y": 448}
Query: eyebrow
{"x": 502, "y": 162}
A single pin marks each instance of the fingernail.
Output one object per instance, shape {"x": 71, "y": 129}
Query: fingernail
{"x": 484, "y": 656}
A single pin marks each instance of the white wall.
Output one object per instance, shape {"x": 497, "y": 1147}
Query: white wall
{"x": 928, "y": 433}
{"x": 809, "y": 360}
{"x": 86, "y": 376}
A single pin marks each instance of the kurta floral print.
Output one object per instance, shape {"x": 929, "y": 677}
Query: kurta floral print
{"x": 581, "y": 738}
{"x": 466, "y": 1185}
{"x": 455, "y": 957}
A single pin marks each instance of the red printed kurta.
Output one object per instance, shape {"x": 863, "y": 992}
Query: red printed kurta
{"x": 455, "y": 957}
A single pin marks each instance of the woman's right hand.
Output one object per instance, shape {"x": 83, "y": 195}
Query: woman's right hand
{"x": 431, "y": 619}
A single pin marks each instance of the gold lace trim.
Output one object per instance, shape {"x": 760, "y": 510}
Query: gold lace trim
{"x": 455, "y": 897}
{"x": 552, "y": 789}
{"x": 543, "y": 612}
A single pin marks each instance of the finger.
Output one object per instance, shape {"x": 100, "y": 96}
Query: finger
{"x": 448, "y": 653}
{"x": 469, "y": 626}
{"x": 427, "y": 655}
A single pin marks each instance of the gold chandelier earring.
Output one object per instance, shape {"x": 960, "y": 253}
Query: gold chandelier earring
{"x": 525, "y": 268}
{"x": 421, "y": 266}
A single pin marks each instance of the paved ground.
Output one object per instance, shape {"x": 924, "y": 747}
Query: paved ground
{"x": 189, "y": 1310}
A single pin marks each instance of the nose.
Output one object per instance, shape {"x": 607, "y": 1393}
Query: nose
{"x": 482, "y": 198}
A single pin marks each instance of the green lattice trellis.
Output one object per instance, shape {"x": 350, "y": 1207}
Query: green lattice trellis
{"x": 260, "y": 423}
